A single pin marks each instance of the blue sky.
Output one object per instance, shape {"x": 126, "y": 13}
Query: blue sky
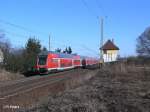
{"x": 74, "y": 23}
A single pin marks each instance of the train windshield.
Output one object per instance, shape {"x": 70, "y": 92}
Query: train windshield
{"x": 42, "y": 60}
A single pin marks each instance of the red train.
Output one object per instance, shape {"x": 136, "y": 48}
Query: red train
{"x": 52, "y": 61}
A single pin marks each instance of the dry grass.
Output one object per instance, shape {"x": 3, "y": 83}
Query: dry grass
{"x": 117, "y": 88}
{"x": 5, "y": 75}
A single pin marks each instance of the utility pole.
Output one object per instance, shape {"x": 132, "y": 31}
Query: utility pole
{"x": 101, "y": 41}
{"x": 49, "y": 42}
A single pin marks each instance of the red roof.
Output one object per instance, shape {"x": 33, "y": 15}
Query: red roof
{"x": 109, "y": 45}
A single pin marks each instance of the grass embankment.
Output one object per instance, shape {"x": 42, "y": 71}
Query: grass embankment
{"x": 6, "y": 76}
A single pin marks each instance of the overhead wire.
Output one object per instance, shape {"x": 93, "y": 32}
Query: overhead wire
{"x": 89, "y": 49}
{"x": 89, "y": 9}
{"x": 100, "y": 7}
{"x": 93, "y": 13}
{"x": 81, "y": 46}
{"x": 84, "y": 48}
{"x": 14, "y": 34}
{"x": 31, "y": 31}
{"x": 20, "y": 27}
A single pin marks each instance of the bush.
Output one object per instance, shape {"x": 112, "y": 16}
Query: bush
{"x": 21, "y": 60}
{"x": 5, "y": 75}
{"x": 139, "y": 60}
{"x": 15, "y": 62}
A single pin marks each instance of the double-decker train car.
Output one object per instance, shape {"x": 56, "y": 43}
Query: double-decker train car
{"x": 53, "y": 61}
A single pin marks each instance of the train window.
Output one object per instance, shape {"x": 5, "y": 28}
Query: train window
{"x": 76, "y": 61}
{"x": 42, "y": 60}
{"x": 55, "y": 60}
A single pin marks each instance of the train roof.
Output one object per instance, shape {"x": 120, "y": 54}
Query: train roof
{"x": 61, "y": 55}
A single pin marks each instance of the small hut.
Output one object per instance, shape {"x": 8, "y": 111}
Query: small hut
{"x": 109, "y": 51}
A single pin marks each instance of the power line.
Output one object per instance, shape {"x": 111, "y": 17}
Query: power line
{"x": 19, "y": 27}
{"x": 89, "y": 9}
{"x": 14, "y": 34}
{"x": 100, "y": 7}
{"x": 17, "y": 35}
{"x": 89, "y": 49}
{"x": 84, "y": 47}
{"x": 29, "y": 30}
{"x": 104, "y": 15}
{"x": 20, "y": 35}
{"x": 80, "y": 46}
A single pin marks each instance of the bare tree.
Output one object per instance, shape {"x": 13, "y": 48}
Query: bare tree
{"x": 5, "y": 46}
{"x": 143, "y": 43}
{"x": 1, "y": 53}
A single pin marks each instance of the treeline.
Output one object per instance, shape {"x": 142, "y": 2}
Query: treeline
{"x": 142, "y": 50}
{"x": 67, "y": 50}
{"x": 20, "y": 59}
{"x": 137, "y": 60}
{"x": 23, "y": 59}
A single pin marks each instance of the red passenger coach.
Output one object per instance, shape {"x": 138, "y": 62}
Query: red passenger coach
{"x": 52, "y": 61}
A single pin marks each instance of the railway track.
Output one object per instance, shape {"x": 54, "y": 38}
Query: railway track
{"x": 16, "y": 92}
{"x": 28, "y": 79}
{"x": 7, "y": 93}
{"x": 19, "y": 85}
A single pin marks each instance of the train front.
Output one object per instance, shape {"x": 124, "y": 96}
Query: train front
{"x": 41, "y": 65}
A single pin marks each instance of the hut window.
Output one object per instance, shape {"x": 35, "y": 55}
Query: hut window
{"x": 105, "y": 51}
